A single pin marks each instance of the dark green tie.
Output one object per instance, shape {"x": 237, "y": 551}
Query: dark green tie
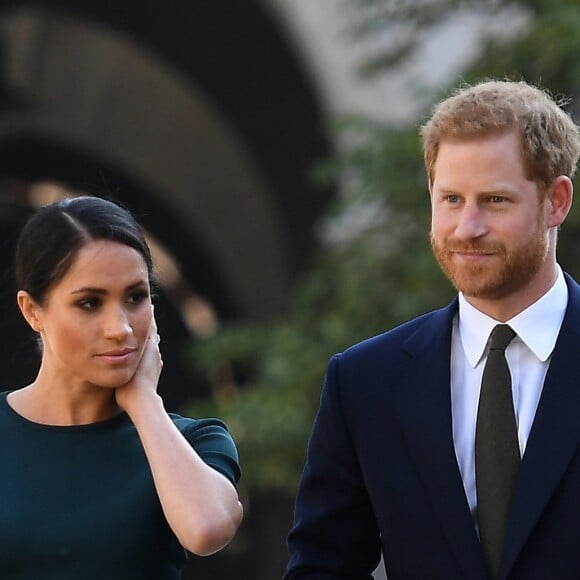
{"x": 497, "y": 453}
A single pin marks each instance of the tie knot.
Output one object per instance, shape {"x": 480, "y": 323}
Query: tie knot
{"x": 501, "y": 336}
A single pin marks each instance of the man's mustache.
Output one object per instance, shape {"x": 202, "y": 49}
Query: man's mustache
{"x": 469, "y": 247}
{"x": 474, "y": 248}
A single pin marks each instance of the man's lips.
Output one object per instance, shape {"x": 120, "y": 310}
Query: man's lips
{"x": 471, "y": 256}
{"x": 473, "y": 252}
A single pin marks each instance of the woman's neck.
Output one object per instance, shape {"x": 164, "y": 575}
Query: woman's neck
{"x": 47, "y": 404}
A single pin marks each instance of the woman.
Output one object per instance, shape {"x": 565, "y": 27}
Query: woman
{"x": 98, "y": 481}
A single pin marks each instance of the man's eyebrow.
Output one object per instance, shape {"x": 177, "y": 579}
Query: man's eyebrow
{"x": 493, "y": 191}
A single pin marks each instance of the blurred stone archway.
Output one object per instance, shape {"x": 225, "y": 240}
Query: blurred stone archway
{"x": 196, "y": 116}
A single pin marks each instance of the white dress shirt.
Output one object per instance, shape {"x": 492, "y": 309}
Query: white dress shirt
{"x": 528, "y": 357}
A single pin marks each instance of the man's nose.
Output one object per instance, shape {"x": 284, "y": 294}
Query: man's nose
{"x": 471, "y": 222}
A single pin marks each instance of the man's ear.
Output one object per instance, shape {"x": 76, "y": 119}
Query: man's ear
{"x": 30, "y": 310}
{"x": 559, "y": 200}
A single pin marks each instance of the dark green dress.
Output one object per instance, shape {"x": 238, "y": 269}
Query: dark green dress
{"x": 78, "y": 503}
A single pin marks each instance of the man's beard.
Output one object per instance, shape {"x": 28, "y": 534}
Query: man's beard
{"x": 506, "y": 272}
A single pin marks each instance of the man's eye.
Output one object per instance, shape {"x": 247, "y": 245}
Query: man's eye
{"x": 497, "y": 198}
{"x": 452, "y": 198}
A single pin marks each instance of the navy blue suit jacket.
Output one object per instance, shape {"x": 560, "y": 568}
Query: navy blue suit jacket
{"x": 382, "y": 475}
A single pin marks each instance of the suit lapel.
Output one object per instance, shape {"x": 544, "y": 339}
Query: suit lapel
{"x": 424, "y": 410}
{"x": 554, "y": 437}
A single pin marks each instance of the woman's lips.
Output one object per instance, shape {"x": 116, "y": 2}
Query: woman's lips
{"x": 119, "y": 355}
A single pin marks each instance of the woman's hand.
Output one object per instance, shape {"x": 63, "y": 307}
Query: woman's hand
{"x": 144, "y": 382}
{"x": 200, "y": 504}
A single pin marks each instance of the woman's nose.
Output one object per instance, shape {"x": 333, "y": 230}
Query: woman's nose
{"x": 117, "y": 324}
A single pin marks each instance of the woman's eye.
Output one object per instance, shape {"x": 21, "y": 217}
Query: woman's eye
{"x": 137, "y": 297}
{"x": 89, "y": 303}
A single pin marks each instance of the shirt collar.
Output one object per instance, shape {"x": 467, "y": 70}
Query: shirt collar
{"x": 537, "y": 326}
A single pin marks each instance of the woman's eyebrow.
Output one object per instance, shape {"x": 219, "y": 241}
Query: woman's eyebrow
{"x": 94, "y": 290}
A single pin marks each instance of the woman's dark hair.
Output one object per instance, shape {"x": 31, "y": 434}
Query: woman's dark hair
{"x": 54, "y": 234}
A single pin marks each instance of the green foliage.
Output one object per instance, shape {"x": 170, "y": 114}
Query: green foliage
{"x": 371, "y": 276}
{"x": 405, "y": 24}
{"x": 546, "y": 55}
{"x": 360, "y": 285}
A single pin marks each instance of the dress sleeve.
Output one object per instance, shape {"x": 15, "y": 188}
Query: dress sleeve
{"x": 213, "y": 443}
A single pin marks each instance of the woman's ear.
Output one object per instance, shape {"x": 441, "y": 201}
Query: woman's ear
{"x": 30, "y": 310}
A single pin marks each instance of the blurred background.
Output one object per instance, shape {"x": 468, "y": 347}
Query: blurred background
{"x": 270, "y": 149}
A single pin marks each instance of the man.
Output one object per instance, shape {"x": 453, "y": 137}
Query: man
{"x": 400, "y": 460}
